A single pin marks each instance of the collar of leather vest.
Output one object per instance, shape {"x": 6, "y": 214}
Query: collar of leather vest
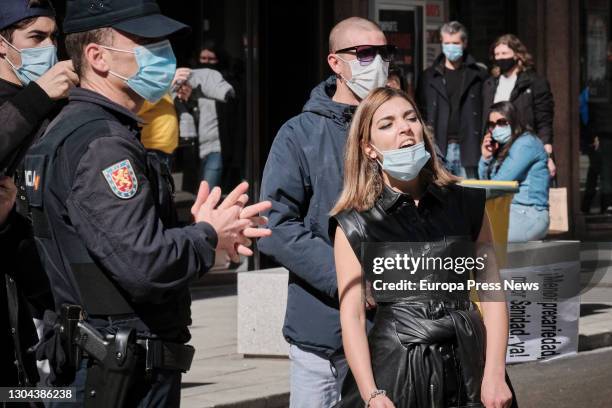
{"x": 389, "y": 197}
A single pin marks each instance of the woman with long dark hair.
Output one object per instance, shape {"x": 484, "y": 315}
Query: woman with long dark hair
{"x": 510, "y": 151}
{"x": 426, "y": 349}
{"x": 515, "y": 80}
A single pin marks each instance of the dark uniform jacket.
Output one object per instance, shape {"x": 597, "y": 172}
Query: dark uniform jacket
{"x": 434, "y": 104}
{"x": 23, "y": 110}
{"x": 303, "y": 179}
{"x": 109, "y": 208}
{"x": 532, "y": 99}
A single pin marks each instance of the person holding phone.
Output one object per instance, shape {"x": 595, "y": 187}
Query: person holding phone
{"x": 511, "y": 151}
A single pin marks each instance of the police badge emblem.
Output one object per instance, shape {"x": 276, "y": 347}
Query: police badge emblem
{"x": 122, "y": 179}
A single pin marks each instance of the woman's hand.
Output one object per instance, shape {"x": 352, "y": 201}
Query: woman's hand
{"x": 552, "y": 167}
{"x": 489, "y": 147}
{"x": 184, "y": 92}
{"x": 495, "y": 392}
{"x": 381, "y": 401}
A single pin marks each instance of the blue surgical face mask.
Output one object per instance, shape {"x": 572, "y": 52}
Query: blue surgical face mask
{"x": 404, "y": 164}
{"x": 452, "y": 51}
{"x": 156, "y": 68}
{"x": 502, "y": 134}
{"x": 34, "y": 62}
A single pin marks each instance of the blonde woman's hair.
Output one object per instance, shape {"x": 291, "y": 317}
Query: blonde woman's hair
{"x": 363, "y": 181}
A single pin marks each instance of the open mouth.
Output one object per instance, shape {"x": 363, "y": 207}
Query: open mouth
{"x": 406, "y": 144}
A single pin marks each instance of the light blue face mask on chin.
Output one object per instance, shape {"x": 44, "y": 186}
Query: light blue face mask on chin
{"x": 35, "y": 62}
{"x": 156, "y": 68}
{"x": 404, "y": 164}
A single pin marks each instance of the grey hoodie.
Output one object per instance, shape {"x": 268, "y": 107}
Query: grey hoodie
{"x": 214, "y": 89}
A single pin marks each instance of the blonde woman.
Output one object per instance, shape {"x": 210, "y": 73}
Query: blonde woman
{"x": 427, "y": 350}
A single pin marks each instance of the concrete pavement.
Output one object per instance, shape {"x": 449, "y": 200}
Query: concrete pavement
{"x": 219, "y": 377}
{"x": 580, "y": 381}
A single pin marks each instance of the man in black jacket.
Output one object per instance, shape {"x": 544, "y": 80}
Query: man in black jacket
{"x": 29, "y": 91}
{"x": 449, "y": 97}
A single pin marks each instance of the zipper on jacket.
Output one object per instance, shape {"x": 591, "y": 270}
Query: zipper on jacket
{"x": 432, "y": 391}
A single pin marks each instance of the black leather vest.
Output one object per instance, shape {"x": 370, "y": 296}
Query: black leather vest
{"x": 427, "y": 349}
{"x": 446, "y": 223}
{"x": 443, "y": 213}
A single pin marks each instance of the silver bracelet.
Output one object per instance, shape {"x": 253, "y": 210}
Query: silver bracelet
{"x": 373, "y": 395}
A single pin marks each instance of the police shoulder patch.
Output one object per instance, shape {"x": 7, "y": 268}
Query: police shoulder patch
{"x": 122, "y": 179}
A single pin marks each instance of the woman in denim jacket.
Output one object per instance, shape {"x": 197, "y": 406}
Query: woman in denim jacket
{"x": 512, "y": 152}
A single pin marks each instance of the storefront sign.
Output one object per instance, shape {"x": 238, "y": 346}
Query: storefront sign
{"x": 403, "y": 28}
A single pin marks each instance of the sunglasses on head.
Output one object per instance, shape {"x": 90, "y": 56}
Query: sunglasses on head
{"x": 499, "y": 122}
{"x": 366, "y": 53}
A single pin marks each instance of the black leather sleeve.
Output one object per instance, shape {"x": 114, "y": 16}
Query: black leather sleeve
{"x": 352, "y": 228}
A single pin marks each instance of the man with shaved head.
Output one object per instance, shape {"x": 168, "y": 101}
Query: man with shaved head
{"x": 303, "y": 179}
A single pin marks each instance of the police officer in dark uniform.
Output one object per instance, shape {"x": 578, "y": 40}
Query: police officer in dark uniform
{"x": 104, "y": 219}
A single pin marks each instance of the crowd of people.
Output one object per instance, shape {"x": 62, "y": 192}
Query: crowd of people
{"x": 86, "y": 198}
{"x": 385, "y": 167}
{"x": 456, "y": 96}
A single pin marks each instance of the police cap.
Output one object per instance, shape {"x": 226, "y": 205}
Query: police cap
{"x": 13, "y": 11}
{"x": 142, "y": 18}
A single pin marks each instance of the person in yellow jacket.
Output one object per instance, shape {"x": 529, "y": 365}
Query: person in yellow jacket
{"x": 160, "y": 132}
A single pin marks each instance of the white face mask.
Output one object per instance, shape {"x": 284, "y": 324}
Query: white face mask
{"x": 367, "y": 77}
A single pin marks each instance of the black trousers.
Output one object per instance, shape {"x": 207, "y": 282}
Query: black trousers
{"x": 592, "y": 178}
